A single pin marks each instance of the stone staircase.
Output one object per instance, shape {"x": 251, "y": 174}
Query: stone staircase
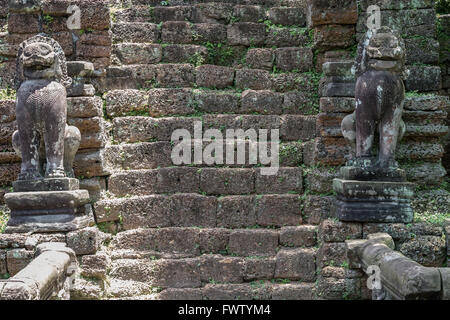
{"x": 208, "y": 231}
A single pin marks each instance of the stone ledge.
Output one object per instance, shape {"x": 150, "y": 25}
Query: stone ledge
{"x": 401, "y": 278}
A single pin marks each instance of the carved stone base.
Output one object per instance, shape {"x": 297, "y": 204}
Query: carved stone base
{"x": 373, "y": 201}
{"x": 54, "y": 184}
{"x": 48, "y": 211}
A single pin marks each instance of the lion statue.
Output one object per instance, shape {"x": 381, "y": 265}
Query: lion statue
{"x": 46, "y": 144}
{"x": 379, "y": 94}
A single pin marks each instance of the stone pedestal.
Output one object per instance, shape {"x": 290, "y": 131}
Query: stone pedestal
{"x": 48, "y": 205}
{"x": 371, "y": 195}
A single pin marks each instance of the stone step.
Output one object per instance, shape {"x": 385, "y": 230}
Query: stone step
{"x": 175, "y": 242}
{"x": 153, "y": 155}
{"x": 332, "y": 150}
{"x": 183, "y": 75}
{"x": 257, "y": 290}
{"x": 119, "y": 289}
{"x": 289, "y": 264}
{"x": 186, "y": 101}
{"x": 188, "y": 210}
{"x": 147, "y": 129}
{"x": 207, "y": 181}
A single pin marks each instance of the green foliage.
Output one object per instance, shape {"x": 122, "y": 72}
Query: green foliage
{"x": 4, "y": 216}
{"x": 416, "y": 94}
{"x": 197, "y": 59}
{"x": 443, "y": 6}
{"x": 433, "y": 217}
{"x": 219, "y": 53}
{"x": 48, "y": 19}
{"x": 7, "y": 94}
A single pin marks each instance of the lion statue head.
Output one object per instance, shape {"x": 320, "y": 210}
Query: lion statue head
{"x": 41, "y": 57}
{"x": 381, "y": 49}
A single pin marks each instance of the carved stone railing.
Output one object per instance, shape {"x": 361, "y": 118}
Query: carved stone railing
{"x": 392, "y": 276}
{"x": 48, "y": 276}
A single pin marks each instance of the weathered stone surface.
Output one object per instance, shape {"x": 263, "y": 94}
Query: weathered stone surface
{"x": 175, "y": 75}
{"x": 216, "y": 268}
{"x": 429, "y": 251}
{"x": 296, "y": 264}
{"x": 261, "y": 101}
{"x": 338, "y": 289}
{"x": 175, "y": 13}
{"x": 23, "y": 23}
{"x": 214, "y": 76}
{"x": 236, "y": 212}
{"x": 287, "y": 180}
{"x": 86, "y": 290}
{"x": 212, "y": 32}
{"x": 3, "y": 264}
{"x": 135, "y": 53}
{"x": 333, "y": 36}
{"x": 227, "y": 181}
{"x": 181, "y": 294}
{"x": 217, "y": 101}
{"x": 246, "y": 33}
{"x": 183, "y": 273}
{"x": 332, "y": 254}
{"x": 278, "y": 210}
{"x": 228, "y": 292}
{"x": 294, "y": 59}
{"x": 301, "y": 236}
{"x": 213, "y": 12}
{"x": 248, "y": 13}
{"x": 288, "y": 16}
{"x": 336, "y": 231}
{"x": 253, "y": 242}
{"x": 297, "y": 127}
{"x": 193, "y": 210}
{"x": 259, "y": 268}
{"x": 287, "y": 37}
{"x": 259, "y": 58}
{"x": 426, "y": 103}
{"x": 95, "y": 266}
{"x": 291, "y": 291}
{"x": 409, "y": 22}
{"x": 321, "y": 179}
{"x": 135, "y": 32}
{"x": 17, "y": 259}
{"x": 122, "y": 102}
{"x": 140, "y": 155}
{"x": 179, "y": 53}
{"x": 84, "y": 241}
{"x": 7, "y": 111}
{"x": 291, "y": 154}
{"x": 253, "y": 79}
{"x": 423, "y": 78}
{"x": 332, "y": 12}
{"x": 163, "y": 102}
{"x": 176, "y": 32}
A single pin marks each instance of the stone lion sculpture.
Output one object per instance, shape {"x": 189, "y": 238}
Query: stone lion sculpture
{"x": 46, "y": 144}
{"x": 379, "y": 93}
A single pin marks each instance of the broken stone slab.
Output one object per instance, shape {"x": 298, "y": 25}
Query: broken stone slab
{"x": 44, "y": 276}
{"x": 401, "y": 278}
{"x": 51, "y": 184}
